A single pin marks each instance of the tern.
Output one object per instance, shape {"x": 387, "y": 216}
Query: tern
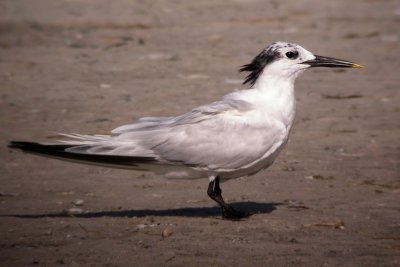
{"x": 238, "y": 136}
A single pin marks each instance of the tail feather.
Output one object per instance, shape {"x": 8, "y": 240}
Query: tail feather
{"x": 59, "y": 151}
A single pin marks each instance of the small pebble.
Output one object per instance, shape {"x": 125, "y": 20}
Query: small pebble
{"x": 166, "y": 233}
{"x": 141, "y": 226}
{"x": 78, "y": 202}
{"x": 48, "y": 232}
{"x": 75, "y": 211}
{"x": 105, "y": 86}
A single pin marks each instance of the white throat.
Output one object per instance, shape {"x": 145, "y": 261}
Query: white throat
{"x": 276, "y": 95}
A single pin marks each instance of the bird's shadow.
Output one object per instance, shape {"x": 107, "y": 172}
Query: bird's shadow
{"x": 249, "y": 207}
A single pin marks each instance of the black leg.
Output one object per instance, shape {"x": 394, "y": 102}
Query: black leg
{"x": 214, "y": 192}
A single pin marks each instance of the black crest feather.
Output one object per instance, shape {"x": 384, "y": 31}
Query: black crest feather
{"x": 257, "y": 65}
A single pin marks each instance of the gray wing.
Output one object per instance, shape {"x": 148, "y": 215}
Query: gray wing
{"x": 221, "y": 136}
{"x": 225, "y": 141}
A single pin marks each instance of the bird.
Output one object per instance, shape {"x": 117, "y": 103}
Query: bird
{"x": 237, "y": 136}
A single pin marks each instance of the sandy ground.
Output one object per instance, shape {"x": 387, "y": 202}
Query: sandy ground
{"x": 331, "y": 199}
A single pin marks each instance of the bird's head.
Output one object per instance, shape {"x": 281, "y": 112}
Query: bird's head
{"x": 286, "y": 60}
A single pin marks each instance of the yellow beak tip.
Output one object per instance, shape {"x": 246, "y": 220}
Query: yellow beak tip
{"x": 357, "y": 66}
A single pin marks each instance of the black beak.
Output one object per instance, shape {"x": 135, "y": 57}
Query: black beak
{"x": 330, "y": 63}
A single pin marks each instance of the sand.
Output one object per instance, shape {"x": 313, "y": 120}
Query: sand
{"x": 332, "y": 198}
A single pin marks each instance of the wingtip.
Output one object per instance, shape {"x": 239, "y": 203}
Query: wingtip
{"x": 25, "y": 145}
{"x": 16, "y": 144}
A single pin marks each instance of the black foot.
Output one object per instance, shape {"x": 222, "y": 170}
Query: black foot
{"x": 232, "y": 214}
{"x": 228, "y": 212}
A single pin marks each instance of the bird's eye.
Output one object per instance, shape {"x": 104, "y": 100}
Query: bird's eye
{"x": 292, "y": 54}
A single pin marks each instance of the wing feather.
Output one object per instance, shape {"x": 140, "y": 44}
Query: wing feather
{"x": 225, "y": 135}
